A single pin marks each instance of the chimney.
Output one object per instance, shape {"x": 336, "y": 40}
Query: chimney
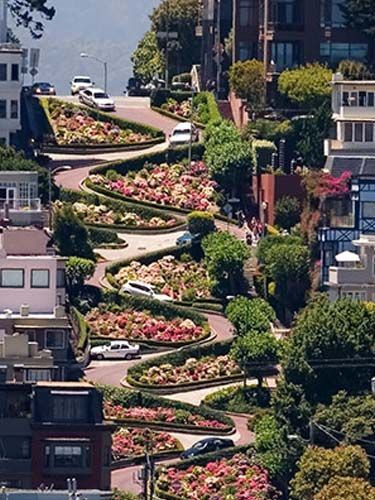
{"x": 24, "y": 310}
{"x": 59, "y": 312}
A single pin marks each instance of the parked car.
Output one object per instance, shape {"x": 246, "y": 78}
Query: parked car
{"x": 206, "y": 445}
{"x": 97, "y": 98}
{"x": 115, "y": 350}
{"x": 181, "y": 134}
{"x": 187, "y": 239}
{"x": 137, "y": 88}
{"x": 43, "y": 88}
{"x": 80, "y": 83}
{"x": 144, "y": 289}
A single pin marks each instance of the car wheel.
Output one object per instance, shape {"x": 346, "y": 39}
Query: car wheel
{"x": 100, "y": 357}
{"x": 128, "y": 356}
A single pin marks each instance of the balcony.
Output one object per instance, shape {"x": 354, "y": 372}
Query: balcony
{"x": 23, "y": 212}
{"x": 340, "y": 221}
{"x": 349, "y": 276}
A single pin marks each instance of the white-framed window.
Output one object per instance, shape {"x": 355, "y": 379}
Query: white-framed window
{"x": 14, "y": 109}
{"x": 54, "y": 339}
{"x": 354, "y": 295}
{"x": 12, "y": 278}
{"x": 37, "y": 375}
{"x": 40, "y": 278}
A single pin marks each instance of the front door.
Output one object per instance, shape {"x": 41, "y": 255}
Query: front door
{"x": 8, "y": 195}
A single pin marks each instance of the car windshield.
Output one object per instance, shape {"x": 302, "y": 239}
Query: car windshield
{"x": 44, "y": 85}
{"x": 181, "y": 132}
{"x": 101, "y": 95}
{"x": 200, "y": 446}
{"x": 82, "y": 80}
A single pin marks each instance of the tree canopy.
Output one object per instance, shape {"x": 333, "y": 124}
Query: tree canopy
{"x": 148, "y": 61}
{"x": 31, "y": 14}
{"x": 247, "y": 80}
{"x": 360, "y": 14}
{"x": 70, "y": 234}
{"x": 225, "y": 257}
{"x": 346, "y": 488}
{"x": 308, "y": 86}
{"x": 318, "y": 466}
{"x": 288, "y": 212}
{"x": 250, "y": 315}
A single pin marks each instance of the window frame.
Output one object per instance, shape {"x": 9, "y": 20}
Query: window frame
{"x": 41, "y": 287}
{"x": 14, "y": 109}
{"x": 15, "y": 71}
{"x": 54, "y": 331}
{"x": 12, "y": 269}
{"x": 3, "y": 66}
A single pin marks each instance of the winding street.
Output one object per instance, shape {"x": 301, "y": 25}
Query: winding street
{"x": 137, "y": 109}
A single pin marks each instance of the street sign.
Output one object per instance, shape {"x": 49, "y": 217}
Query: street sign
{"x": 171, "y": 35}
{"x": 227, "y": 209}
{"x": 34, "y": 71}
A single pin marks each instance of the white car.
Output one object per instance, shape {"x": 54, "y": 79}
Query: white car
{"x": 144, "y": 289}
{"x": 80, "y": 83}
{"x": 115, "y": 350}
{"x": 181, "y": 134}
{"x": 96, "y": 98}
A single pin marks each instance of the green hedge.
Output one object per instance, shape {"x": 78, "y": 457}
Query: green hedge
{"x": 129, "y": 398}
{"x": 157, "y": 135}
{"x": 239, "y": 399}
{"x": 161, "y": 96}
{"x": 82, "y": 328}
{"x": 70, "y": 196}
{"x": 102, "y": 236}
{"x": 178, "y": 358}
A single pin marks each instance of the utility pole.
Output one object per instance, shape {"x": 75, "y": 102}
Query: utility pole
{"x": 265, "y": 36}
{"x": 191, "y": 126}
{"x": 167, "y": 49}
{"x": 218, "y": 49}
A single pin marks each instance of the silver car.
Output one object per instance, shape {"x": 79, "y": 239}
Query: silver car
{"x": 115, "y": 350}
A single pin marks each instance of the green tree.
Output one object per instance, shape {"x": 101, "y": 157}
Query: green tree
{"x": 247, "y": 80}
{"x": 288, "y": 212}
{"x": 77, "y": 271}
{"x": 354, "y": 70}
{"x": 228, "y": 157}
{"x": 225, "y": 257}
{"x": 246, "y": 315}
{"x": 201, "y": 223}
{"x": 346, "y": 488}
{"x": 270, "y": 241}
{"x": 179, "y": 16}
{"x": 275, "y": 452}
{"x": 70, "y": 234}
{"x": 30, "y": 13}
{"x": 318, "y": 466}
{"x": 288, "y": 266}
{"x": 360, "y": 15}
{"x": 254, "y": 352}
{"x": 308, "y": 86}
{"x": 148, "y": 61}
{"x": 341, "y": 330}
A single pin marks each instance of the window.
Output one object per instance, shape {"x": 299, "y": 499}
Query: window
{"x": 357, "y": 296}
{"x": 55, "y": 339}
{"x": 3, "y": 108}
{"x": 14, "y": 109}
{"x": 37, "y": 375}
{"x": 333, "y": 53}
{"x": 285, "y": 54}
{"x": 39, "y": 278}
{"x": 368, "y": 210}
{"x": 247, "y": 50}
{"x": 370, "y": 99}
{"x": 12, "y": 278}
{"x": 358, "y": 132}
{"x": 348, "y": 132}
{"x": 15, "y": 72}
{"x": 369, "y": 132}
{"x": 331, "y": 13}
{"x": 65, "y": 456}
{"x": 246, "y": 12}
{"x": 287, "y": 12}
{"x": 70, "y": 407}
{"x": 15, "y": 447}
{"x": 60, "y": 278}
{"x": 3, "y": 73}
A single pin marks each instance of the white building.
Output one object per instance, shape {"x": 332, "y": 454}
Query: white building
{"x": 10, "y": 83}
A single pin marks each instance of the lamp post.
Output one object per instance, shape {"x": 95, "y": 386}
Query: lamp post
{"x": 88, "y": 56}
{"x": 51, "y": 173}
{"x": 191, "y": 125}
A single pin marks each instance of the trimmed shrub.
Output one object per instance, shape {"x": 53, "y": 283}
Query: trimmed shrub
{"x": 201, "y": 223}
{"x": 263, "y": 151}
{"x": 239, "y": 399}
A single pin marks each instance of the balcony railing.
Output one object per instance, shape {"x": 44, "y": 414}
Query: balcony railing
{"x": 341, "y": 220}
{"x": 21, "y": 205}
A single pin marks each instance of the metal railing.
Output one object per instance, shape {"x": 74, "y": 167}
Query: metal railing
{"x": 21, "y": 204}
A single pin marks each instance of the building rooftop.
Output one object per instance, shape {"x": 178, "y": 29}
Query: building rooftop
{"x": 25, "y": 241}
{"x": 357, "y": 165}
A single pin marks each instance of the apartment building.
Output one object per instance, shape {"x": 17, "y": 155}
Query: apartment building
{"x": 287, "y": 33}
{"x": 351, "y": 150}
{"x": 51, "y": 431}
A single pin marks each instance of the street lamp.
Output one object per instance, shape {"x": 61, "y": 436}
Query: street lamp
{"x": 88, "y": 56}
{"x": 52, "y": 172}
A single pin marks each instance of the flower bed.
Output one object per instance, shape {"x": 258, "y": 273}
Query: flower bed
{"x": 192, "y": 371}
{"x": 161, "y": 415}
{"x": 141, "y": 409}
{"x": 143, "y": 326}
{"x": 235, "y": 478}
{"x": 104, "y": 215}
{"x": 132, "y": 443}
{"x": 72, "y": 125}
{"x": 174, "y": 277}
{"x": 176, "y": 185}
